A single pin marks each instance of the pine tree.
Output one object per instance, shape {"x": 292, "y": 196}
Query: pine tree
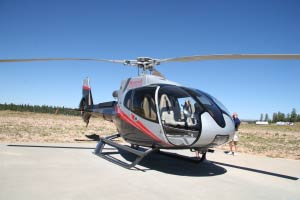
{"x": 266, "y": 117}
{"x": 288, "y": 117}
{"x": 275, "y": 118}
{"x": 293, "y": 115}
{"x": 281, "y": 117}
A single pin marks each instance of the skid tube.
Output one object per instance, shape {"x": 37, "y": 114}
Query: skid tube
{"x": 109, "y": 140}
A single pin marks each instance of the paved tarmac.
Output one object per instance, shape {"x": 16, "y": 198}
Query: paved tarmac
{"x": 72, "y": 171}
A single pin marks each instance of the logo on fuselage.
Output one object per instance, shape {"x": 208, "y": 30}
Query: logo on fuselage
{"x": 134, "y": 83}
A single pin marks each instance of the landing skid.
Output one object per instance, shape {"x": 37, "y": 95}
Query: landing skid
{"x": 134, "y": 150}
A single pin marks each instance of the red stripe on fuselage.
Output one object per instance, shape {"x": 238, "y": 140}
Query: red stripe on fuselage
{"x": 139, "y": 125}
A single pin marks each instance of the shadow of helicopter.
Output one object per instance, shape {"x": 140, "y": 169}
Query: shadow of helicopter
{"x": 91, "y": 138}
{"x": 172, "y": 164}
{"x": 48, "y": 146}
{"x": 155, "y": 161}
{"x": 257, "y": 171}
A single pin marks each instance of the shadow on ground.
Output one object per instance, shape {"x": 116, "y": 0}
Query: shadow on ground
{"x": 182, "y": 167}
{"x": 176, "y": 166}
{"x": 155, "y": 161}
{"x": 91, "y": 138}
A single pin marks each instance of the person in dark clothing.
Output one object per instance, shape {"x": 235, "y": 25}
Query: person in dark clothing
{"x": 235, "y": 139}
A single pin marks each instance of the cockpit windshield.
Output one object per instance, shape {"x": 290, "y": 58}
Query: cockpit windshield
{"x": 181, "y": 109}
{"x": 213, "y": 107}
{"x": 223, "y": 108}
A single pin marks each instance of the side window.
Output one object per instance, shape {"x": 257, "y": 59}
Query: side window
{"x": 143, "y": 103}
{"x": 127, "y": 100}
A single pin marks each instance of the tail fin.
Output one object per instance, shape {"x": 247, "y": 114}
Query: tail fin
{"x": 87, "y": 92}
{"x": 86, "y": 102}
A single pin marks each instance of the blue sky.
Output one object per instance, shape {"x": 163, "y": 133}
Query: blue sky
{"x": 160, "y": 29}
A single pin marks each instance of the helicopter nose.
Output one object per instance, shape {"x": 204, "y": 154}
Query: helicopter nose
{"x": 212, "y": 134}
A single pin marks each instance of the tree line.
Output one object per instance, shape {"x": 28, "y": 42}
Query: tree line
{"x": 282, "y": 117}
{"x": 39, "y": 109}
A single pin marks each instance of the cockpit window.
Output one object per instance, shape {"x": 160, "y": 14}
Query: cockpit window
{"x": 220, "y": 105}
{"x": 204, "y": 100}
{"x": 127, "y": 100}
{"x": 143, "y": 103}
{"x": 210, "y": 106}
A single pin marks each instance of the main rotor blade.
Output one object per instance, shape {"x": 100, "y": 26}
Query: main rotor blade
{"x": 232, "y": 57}
{"x": 61, "y": 59}
{"x": 157, "y": 73}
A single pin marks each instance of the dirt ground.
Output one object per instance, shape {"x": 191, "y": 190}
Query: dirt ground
{"x": 271, "y": 140}
{"x": 37, "y": 127}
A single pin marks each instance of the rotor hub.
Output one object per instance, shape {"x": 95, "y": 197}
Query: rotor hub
{"x": 144, "y": 63}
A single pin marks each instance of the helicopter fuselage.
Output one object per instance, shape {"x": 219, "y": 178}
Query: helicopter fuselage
{"x": 154, "y": 112}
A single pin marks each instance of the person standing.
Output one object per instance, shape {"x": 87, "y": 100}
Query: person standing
{"x": 235, "y": 139}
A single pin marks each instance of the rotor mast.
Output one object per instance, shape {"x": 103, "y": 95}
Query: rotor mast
{"x": 143, "y": 63}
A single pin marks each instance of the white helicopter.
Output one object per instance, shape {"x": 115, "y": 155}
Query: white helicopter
{"x": 153, "y": 112}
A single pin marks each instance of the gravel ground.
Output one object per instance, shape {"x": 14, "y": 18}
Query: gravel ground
{"x": 36, "y": 127}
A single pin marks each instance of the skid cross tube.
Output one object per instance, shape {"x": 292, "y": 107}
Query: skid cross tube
{"x": 106, "y": 155}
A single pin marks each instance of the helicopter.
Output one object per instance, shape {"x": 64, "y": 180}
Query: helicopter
{"x": 152, "y": 112}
